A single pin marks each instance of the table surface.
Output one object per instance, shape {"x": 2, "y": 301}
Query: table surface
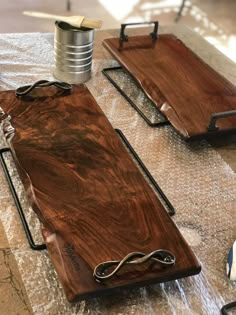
{"x": 198, "y": 178}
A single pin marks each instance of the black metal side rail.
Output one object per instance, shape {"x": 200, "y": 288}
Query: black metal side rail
{"x": 135, "y": 107}
{"x": 171, "y": 209}
{"x": 29, "y": 236}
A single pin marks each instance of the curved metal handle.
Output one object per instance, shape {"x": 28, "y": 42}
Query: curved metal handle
{"x": 161, "y": 256}
{"x": 26, "y": 89}
{"x": 153, "y": 34}
{"x": 228, "y": 307}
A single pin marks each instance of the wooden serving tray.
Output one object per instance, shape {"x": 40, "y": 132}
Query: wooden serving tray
{"x": 184, "y": 88}
{"x": 92, "y": 200}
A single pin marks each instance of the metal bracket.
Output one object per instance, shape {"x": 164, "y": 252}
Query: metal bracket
{"x": 124, "y": 37}
{"x": 145, "y": 118}
{"x": 171, "y": 209}
{"x": 214, "y": 117}
{"x": 228, "y": 307}
{"x": 37, "y": 247}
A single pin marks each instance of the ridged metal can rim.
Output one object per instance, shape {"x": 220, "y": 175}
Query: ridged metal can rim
{"x": 71, "y": 28}
{"x": 74, "y": 53}
{"x": 72, "y": 64}
{"x": 80, "y": 67}
{"x": 73, "y": 59}
{"x": 84, "y": 65}
{"x": 72, "y": 46}
{"x": 75, "y": 72}
{"x": 73, "y": 69}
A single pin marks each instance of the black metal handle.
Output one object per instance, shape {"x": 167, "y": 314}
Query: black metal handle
{"x": 153, "y": 34}
{"x": 228, "y": 307}
{"x": 214, "y": 117}
{"x": 160, "y": 256}
{"x": 26, "y": 89}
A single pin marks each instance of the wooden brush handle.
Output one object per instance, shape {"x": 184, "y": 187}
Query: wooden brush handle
{"x": 76, "y": 21}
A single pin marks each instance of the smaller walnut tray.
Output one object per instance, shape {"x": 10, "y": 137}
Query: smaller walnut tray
{"x": 184, "y": 88}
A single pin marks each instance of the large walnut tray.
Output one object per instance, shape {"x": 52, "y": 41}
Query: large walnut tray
{"x": 92, "y": 200}
{"x": 184, "y": 88}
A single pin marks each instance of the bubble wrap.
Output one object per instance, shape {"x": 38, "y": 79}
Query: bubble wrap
{"x": 199, "y": 184}
{"x": 136, "y": 95}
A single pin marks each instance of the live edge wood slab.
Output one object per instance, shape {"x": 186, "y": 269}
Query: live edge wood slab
{"x": 92, "y": 201}
{"x": 184, "y": 88}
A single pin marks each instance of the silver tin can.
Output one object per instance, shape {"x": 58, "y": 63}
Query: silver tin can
{"x": 73, "y": 49}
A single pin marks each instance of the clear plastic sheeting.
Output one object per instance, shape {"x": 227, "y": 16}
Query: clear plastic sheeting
{"x": 199, "y": 184}
{"x": 135, "y": 94}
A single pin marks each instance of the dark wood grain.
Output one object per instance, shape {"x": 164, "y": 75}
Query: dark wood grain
{"x": 180, "y": 84}
{"x": 92, "y": 201}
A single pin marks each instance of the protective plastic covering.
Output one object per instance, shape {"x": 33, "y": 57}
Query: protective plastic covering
{"x": 200, "y": 185}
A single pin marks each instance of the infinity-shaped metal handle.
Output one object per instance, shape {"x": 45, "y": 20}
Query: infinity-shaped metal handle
{"x": 26, "y": 89}
{"x": 160, "y": 256}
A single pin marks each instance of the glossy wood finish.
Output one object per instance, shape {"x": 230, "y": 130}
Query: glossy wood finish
{"x": 179, "y": 83}
{"x": 92, "y": 201}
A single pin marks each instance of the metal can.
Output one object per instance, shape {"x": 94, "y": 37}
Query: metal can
{"x": 73, "y": 49}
